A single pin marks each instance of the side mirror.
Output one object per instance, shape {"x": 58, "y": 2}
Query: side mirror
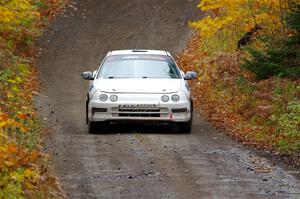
{"x": 190, "y": 75}
{"x": 182, "y": 73}
{"x": 94, "y": 73}
{"x": 88, "y": 75}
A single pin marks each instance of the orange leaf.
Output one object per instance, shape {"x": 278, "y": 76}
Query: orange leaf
{"x": 12, "y": 148}
{"x": 22, "y": 115}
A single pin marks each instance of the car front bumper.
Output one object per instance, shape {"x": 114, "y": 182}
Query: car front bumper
{"x": 140, "y": 108}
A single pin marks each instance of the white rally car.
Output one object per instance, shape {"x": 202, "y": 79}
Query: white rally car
{"x": 139, "y": 85}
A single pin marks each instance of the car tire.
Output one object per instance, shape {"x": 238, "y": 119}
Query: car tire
{"x": 92, "y": 127}
{"x": 97, "y": 127}
{"x": 186, "y": 127}
{"x": 86, "y": 111}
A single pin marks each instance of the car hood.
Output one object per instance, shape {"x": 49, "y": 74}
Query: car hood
{"x": 138, "y": 85}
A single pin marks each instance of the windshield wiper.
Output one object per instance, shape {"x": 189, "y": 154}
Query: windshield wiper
{"x": 113, "y": 77}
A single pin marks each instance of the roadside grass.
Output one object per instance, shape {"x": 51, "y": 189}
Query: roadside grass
{"x": 25, "y": 171}
{"x": 264, "y": 114}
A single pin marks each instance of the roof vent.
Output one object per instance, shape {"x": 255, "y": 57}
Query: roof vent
{"x": 138, "y": 50}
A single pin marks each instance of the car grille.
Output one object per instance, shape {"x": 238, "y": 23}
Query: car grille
{"x": 140, "y": 112}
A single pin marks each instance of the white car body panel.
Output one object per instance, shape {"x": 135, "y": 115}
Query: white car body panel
{"x": 139, "y": 98}
{"x": 134, "y": 100}
{"x": 137, "y": 52}
{"x": 138, "y": 85}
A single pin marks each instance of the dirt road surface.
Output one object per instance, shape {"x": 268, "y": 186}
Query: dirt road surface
{"x": 130, "y": 161}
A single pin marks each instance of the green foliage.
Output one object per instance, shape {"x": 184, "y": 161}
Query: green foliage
{"x": 279, "y": 57}
{"x": 5, "y": 74}
{"x": 290, "y": 121}
{"x": 10, "y": 189}
{"x": 283, "y": 145}
{"x": 244, "y": 85}
{"x": 292, "y": 20}
{"x": 41, "y": 4}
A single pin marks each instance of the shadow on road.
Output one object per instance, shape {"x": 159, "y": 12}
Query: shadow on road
{"x": 125, "y": 128}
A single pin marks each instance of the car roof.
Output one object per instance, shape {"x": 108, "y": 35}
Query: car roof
{"x": 138, "y": 52}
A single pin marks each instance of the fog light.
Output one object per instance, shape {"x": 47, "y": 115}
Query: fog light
{"x": 113, "y": 98}
{"x": 100, "y": 110}
{"x": 103, "y": 97}
{"x": 165, "y": 98}
{"x": 179, "y": 110}
{"x": 175, "y": 98}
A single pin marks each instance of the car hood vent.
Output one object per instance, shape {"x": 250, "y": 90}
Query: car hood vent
{"x": 138, "y": 85}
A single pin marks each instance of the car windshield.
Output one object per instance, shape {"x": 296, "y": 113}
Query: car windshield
{"x": 139, "y": 66}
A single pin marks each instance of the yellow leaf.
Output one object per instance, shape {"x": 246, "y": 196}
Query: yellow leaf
{"x": 3, "y": 124}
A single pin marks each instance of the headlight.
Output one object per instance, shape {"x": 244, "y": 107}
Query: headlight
{"x": 113, "y": 98}
{"x": 165, "y": 98}
{"x": 103, "y": 97}
{"x": 175, "y": 98}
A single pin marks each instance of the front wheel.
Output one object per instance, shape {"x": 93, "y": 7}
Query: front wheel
{"x": 92, "y": 127}
{"x": 97, "y": 127}
{"x": 186, "y": 127}
{"x": 87, "y": 110}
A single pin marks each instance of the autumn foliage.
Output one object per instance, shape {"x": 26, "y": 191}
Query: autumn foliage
{"x": 260, "y": 113}
{"x": 227, "y": 21}
{"x": 23, "y": 170}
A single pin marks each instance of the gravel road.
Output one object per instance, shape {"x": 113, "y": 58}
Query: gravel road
{"x": 136, "y": 161}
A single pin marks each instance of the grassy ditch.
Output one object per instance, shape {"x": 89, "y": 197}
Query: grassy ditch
{"x": 24, "y": 170}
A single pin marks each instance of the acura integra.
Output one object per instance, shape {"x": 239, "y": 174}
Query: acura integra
{"x": 139, "y": 85}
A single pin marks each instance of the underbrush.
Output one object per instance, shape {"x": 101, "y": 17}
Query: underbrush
{"x": 24, "y": 170}
{"x": 247, "y": 56}
{"x": 263, "y": 114}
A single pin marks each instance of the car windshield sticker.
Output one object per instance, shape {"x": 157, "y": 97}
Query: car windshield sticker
{"x": 130, "y": 57}
{"x": 139, "y": 57}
